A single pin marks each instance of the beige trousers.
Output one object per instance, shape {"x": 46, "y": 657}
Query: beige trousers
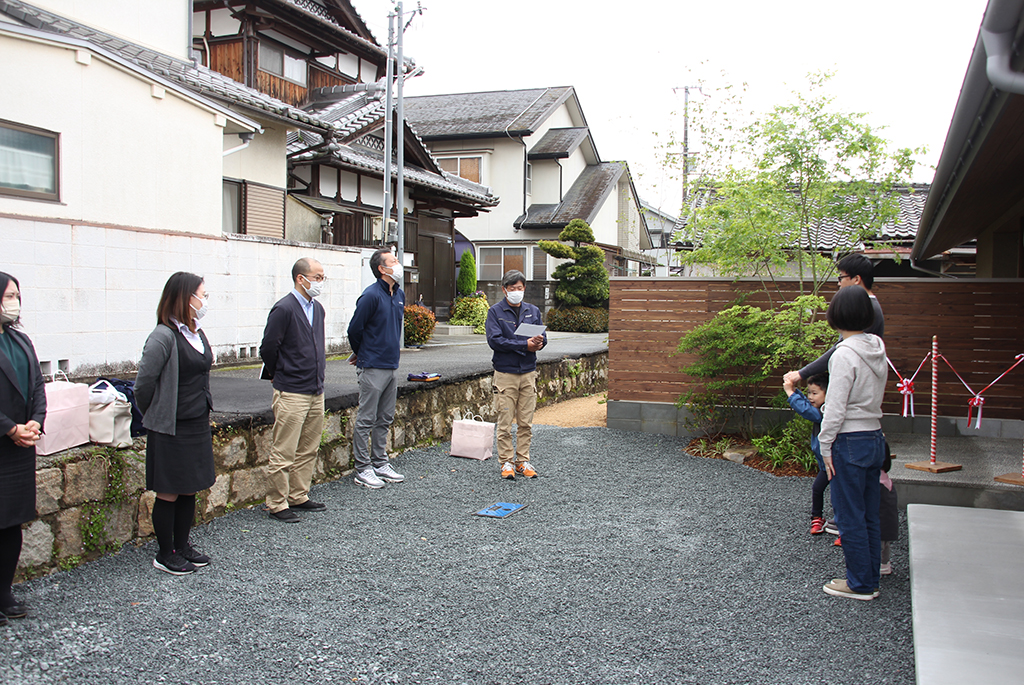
{"x": 298, "y": 425}
{"x": 515, "y": 398}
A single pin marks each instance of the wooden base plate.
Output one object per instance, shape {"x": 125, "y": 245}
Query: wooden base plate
{"x": 1011, "y": 478}
{"x": 937, "y": 467}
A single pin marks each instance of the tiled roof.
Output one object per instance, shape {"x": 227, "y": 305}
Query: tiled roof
{"x": 832, "y": 234}
{"x": 583, "y": 201}
{"x": 319, "y": 12}
{"x": 198, "y": 79}
{"x": 481, "y": 115}
{"x": 320, "y": 204}
{"x": 351, "y": 118}
{"x": 558, "y": 143}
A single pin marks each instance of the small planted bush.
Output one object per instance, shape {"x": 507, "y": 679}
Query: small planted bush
{"x": 578, "y": 320}
{"x": 470, "y": 311}
{"x": 419, "y": 324}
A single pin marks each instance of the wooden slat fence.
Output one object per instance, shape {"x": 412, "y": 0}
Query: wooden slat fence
{"x": 980, "y": 324}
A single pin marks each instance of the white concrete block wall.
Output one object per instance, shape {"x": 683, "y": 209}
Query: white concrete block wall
{"x": 90, "y": 292}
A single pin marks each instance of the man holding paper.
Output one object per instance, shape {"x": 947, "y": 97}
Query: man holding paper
{"x": 515, "y": 332}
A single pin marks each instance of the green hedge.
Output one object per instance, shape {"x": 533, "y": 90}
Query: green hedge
{"x": 578, "y": 320}
{"x": 470, "y": 311}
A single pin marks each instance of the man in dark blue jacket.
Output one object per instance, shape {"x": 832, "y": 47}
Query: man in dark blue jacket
{"x": 294, "y": 358}
{"x": 375, "y": 334}
{"x": 515, "y": 373}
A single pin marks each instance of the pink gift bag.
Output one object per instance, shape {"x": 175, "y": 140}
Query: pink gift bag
{"x": 472, "y": 439}
{"x": 67, "y": 417}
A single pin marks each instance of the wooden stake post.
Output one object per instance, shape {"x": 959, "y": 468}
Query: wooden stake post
{"x": 933, "y": 466}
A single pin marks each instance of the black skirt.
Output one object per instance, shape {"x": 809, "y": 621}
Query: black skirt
{"x": 17, "y": 483}
{"x": 181, "y": 463}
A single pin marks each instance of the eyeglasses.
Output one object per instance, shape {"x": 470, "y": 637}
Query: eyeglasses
{"x": 841, "y": 277}
{"x": 319, "y": 279}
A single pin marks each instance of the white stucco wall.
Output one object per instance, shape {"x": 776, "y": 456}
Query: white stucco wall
{"x": 264, "y": 161}
{"x": 161, "y": 25}
{"x": 90, "y": 292}
{"x": 126, "y": 157}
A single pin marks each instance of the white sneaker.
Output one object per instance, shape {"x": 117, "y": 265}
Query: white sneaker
{"x": 885, "y": 569}
{"x": 389, "y": 474}
{"x": 368, "y": 478}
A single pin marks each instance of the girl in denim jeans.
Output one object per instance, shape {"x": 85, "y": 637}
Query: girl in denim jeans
{"x": 852, "y": 445}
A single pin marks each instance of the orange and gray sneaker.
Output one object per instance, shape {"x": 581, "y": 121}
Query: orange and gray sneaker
{"x": 838, "y": 542}
{"x": 507, "y": 471}
{"x": 817, "y": 525}
{"x": 524, "y": 469}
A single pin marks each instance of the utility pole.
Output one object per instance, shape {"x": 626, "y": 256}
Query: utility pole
{"x": 686, "y": 137}
{"x": 389, "y": 124}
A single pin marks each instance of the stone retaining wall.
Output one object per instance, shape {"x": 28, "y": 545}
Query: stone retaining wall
{"x": 91, "y": 500}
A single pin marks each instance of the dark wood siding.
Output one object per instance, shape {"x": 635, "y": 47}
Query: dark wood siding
{"x": 979, "y": 323}
{"x": 226, "y": 58}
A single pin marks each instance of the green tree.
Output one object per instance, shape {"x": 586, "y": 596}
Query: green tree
{"x": 466, "y": 282}
{"x": 776, "y": 192}
{"x": 582, "y": 282}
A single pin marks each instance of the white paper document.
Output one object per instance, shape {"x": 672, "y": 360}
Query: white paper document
{"x": 530, "y": 329}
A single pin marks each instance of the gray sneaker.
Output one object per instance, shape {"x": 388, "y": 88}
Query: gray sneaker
{"x": 389, "y": 474}
{"x": 369, "y": 479}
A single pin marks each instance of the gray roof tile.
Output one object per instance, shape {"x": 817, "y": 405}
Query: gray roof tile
{"x": 559, "y": 143}
{"x": 480, "y": 115}
{"x": 583, "y": 201}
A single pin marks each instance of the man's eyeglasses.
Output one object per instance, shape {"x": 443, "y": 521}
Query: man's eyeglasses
{"x": 841, "y": 277}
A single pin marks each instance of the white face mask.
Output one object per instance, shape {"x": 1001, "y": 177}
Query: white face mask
{"x": 514, "y": 296}
{"x": 396, "y": 272}
{"x": 203, "y": 309}
{"x": 11, "y": 311}
{"x": 314, "y": 288}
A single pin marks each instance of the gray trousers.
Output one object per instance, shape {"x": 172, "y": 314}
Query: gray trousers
{"x": 378, "y": 389}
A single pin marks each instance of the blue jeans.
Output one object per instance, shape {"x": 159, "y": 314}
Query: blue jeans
{"x": 857, "y": 459}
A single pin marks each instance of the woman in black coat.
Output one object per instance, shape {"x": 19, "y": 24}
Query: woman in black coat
{"x": 22, "y": 410}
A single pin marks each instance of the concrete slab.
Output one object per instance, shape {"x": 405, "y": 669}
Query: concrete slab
{"x": 967, "y": 598}
{"x": 973, "y": 486}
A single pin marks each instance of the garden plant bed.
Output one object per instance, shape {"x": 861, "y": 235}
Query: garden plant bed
{"x": 710, "y": 448}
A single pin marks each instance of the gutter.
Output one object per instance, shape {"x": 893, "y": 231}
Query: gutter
{"x": 978, "y": 106}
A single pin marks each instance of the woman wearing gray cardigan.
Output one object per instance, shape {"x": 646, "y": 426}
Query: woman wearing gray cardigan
{"x": 172, "y": 389}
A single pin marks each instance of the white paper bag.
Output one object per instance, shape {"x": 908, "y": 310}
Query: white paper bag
{"x": 472, "y": 439}
{"x": 110, "y": 424}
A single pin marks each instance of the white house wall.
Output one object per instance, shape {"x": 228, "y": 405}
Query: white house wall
{"x": 90, "y": 292}
{"x": 161, "y": 25}
{"x": 264, "y": 161}
{"x": 122, "y": 157}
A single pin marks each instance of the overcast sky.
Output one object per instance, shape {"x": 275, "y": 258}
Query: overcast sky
{"x": 899, "y": 61}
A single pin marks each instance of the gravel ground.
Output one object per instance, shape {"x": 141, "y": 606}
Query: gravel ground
{"x": 632, "y": 563}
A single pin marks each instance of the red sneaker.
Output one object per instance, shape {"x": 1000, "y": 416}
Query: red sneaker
{"x": 817, "y": 525}
{"x": 838, "y": 542}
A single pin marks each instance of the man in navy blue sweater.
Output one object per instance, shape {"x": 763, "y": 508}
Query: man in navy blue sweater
{"x": 294, "y": 358}
{"x": 375, "y": 334}
{"x": 515, "y": 373}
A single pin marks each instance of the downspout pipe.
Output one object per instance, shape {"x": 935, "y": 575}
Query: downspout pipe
{"x": 246, "y": 139}
{"x": 998, "y": 31}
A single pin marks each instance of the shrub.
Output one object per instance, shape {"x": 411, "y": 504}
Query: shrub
{"x": 419, "y": 324}
{"x": 792, "y": 444}
{"x": 578, "y": 320}
{"x": 466, "y": 282}
{"x": 583, "y": 281}
{"x": 470, "y": 311}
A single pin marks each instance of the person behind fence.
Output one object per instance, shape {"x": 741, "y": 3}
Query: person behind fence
{"x": 295, "y": 361}
{"x": 375, "y": 334}
{"x": 22, "y": 412}
{"x": 809, "y": 406}
{"x": 515, "y": 373}
{"x": 172, "y": 388}
{"x": 852, "y": 444}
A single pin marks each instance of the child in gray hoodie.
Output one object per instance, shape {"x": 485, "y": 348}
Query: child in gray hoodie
{"x": 852, "y": 445}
